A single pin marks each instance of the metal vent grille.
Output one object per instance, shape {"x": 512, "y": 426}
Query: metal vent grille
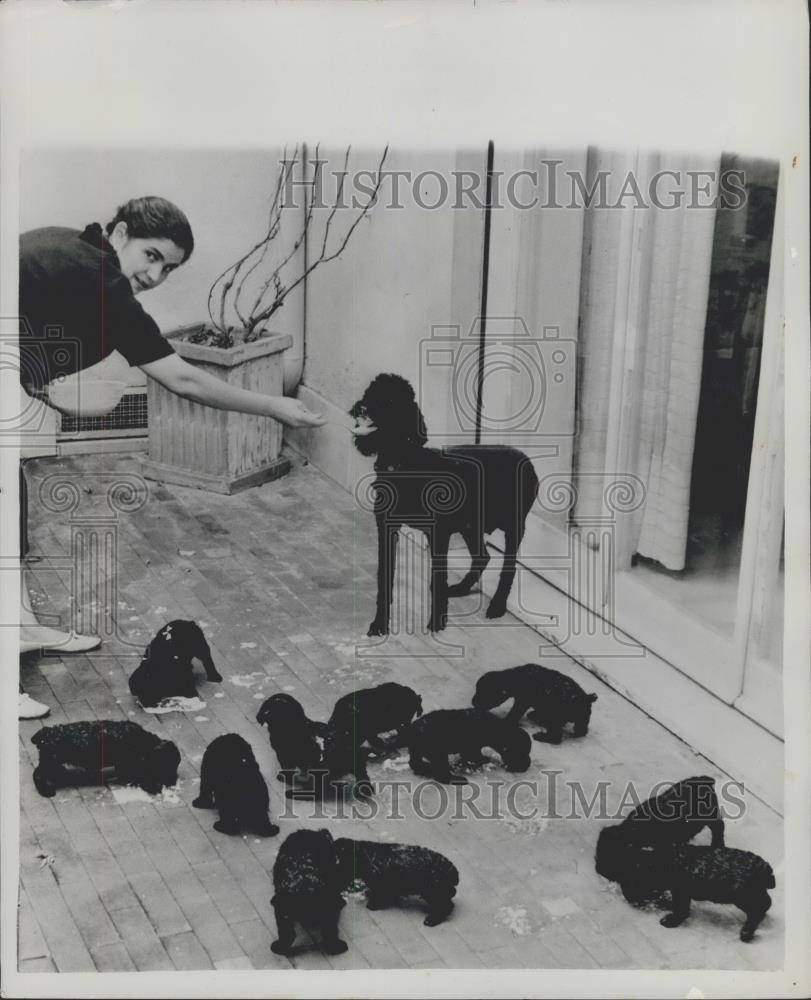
{"x": 130, "y": 414}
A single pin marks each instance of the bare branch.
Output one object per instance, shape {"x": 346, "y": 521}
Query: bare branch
{"x": 273, "y": 226}
{"x": 230, "y": 286}
{"x": 323, "y": 257}
{"x": 308, "y": 214}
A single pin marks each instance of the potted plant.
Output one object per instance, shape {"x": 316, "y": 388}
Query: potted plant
{"x": 196, "y": 445}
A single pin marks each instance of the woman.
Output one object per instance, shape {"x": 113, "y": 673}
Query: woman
{"x": 78, "y": 304}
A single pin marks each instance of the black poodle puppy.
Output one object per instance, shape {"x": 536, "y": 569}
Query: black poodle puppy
{"x": 473, "y": 490}
{"x": 307, "y": 890}
{"x": 687, "y": 872}
{"x": 342, "y": 764}
{"x": 137, "y": 757}
{"x": 376, "y": 710}
{"x": 393, "y": 871}
{"x": 671, "y": 818}
{"x": 464, "y": 731}
{"x": 554, "y": 698}
{"x": 166, "y": 670}
{"x": 292, "y": 735}
{"x": 231, "y": 781}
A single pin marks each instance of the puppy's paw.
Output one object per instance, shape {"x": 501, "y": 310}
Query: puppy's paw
{"x": 747, "y": 935}
{"x": 434, "y": 919}
{"x": 45, "y": 788}
{"x": 546, "y": 738}
{"x": 378, "y": 628}
{"x": 671, "y": 920}
{"x": 201, "y": 803}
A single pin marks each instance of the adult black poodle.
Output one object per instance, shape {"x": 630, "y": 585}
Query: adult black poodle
{"x": 473, "y": 490}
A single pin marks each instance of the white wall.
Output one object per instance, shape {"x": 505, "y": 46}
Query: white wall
{"x": 405, "y": 271}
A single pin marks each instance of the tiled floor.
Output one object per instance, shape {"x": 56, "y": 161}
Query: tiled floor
{"x": 282, "y": 579}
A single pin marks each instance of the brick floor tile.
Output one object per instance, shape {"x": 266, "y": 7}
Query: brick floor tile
{"x": 204, "y": 918}
{"x": 235, "y": 964}
{"x": 254, "y": 938}
{"x": 159, "y": 904}
{"x": 229, "y": 898}
{"x": 447, "y": 942}
{"x": 112, "y": 958}
{"x": 143, "y": 944}
{"x": 90, "y": 916}
{"x": 65, "y": 944}
{"x": 31, "y": 941}
{"x": 110, "y": 882}
{"x": 185, "y": 951}
{"x": 379, "y": 951}
{"x": 37, "y": 965}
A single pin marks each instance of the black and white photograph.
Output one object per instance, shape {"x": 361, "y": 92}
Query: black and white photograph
{"x": 405, "y": 538}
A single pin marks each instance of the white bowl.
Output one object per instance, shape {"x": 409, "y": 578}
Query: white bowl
{"x": 85, "y": 397}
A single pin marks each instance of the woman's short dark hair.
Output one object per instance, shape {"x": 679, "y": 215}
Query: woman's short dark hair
{"x": 155, "y": 217}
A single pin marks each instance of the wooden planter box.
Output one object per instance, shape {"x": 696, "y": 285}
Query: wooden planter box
{"x": 195, "y": 445}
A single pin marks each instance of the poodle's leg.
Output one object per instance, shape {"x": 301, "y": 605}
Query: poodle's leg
{"x": 440, "y": 907}
{"x": 331, "y": 942}
{"x": 188, "y": 689}
{"x": 377, "y": 900}
{"x": 401, "y": 739}
{"x": 264, "y": 827}
{"x": 286, "y": 929}
{"x": 755, "y": 907}
{"x": 513, "y": 534}
{"x": 49, "y": 776}
{"x": 680, "y": 905}
{"x": 516, "y": 713}
{"x": 717, "y": 830}
{"x": 205, "y": 800}
{"x": 553, "y": 734}
{"x": 418, "y": 762}
{"x": 204, "y": 655}
{"x": 386, "y": 561}
{"x": 439, "y": 540}
{"x": 439, "y": 769}
{"x": 227, "y": 823}
{"x": 479, "y": 558}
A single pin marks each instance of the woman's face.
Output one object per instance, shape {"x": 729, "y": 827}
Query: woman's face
{"x": 147, "y": 261}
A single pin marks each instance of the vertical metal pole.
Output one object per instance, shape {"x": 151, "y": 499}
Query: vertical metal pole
{"x": 485, "y": 277}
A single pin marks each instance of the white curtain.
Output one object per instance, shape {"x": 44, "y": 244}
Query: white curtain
{"x": 644, "y": 291}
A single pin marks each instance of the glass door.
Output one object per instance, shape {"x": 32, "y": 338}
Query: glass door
{"x": 653, "y": 513}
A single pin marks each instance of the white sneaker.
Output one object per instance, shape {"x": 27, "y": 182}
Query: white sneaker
{"x": 30, "y": 709}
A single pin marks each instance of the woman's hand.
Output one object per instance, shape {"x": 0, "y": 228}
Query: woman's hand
{"x": 193, "y": 383}
{"x": 293, "y": 413}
